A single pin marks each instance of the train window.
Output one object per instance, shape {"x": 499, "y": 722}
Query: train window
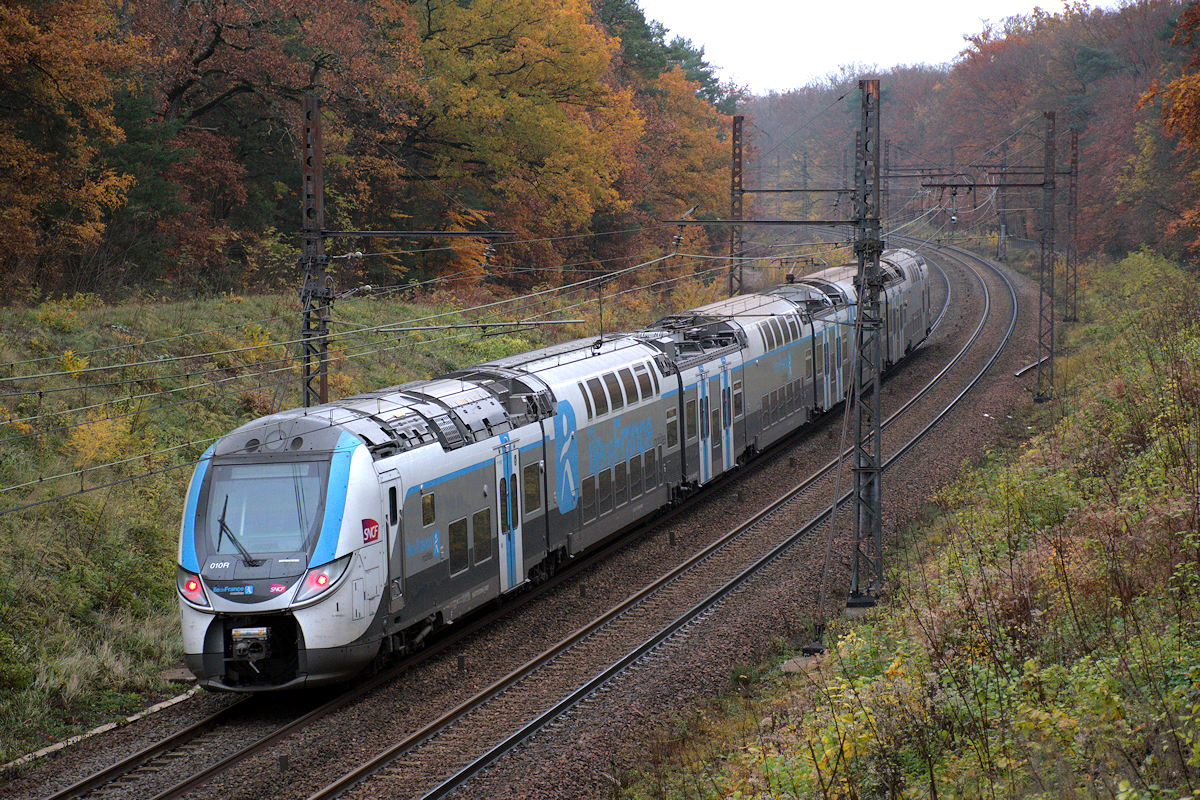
{"x": 620, "y": 484}
{"x": 726, "y": 407}
{"x": 737, "y": 399}
{"x": 820, "y": 350}
{"x": 631, "y": 389}
{"x": 604, "y": 491}
{"x": 393, "y": 511}
{"x": 808, "y": 364}
{"x": 793, "y": 328}
{"x": 614, "y": 391}
{"x": 505, "y": 525}
{"x": 845, "y": 349}
{"x": 769, "y": 333}
{"x": 427, "y": 509}
{"x": 459, "y": 557}
{"x": 643, "y": 376}
{"x": 766, "y": 410}
{"x": 533, "y": 488}
{"x": 775, "y": 326}
{"x": 599, "y": 400}
{"x": 635, "y": 476}
{"x": 587, "y": 401}
{"x": 651, "y": 471}
{"x": 716, "y": 424}
{"x": 589, "y": 497}
{"x": 481, "y": 532}
{"x": 689, "y": 421}
{"x": 654, "y": 377}
{"x": 672, "y": 426}
{"x": 704, "y": 417}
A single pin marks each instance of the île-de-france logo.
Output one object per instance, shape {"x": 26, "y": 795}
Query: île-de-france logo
{"x": 566, "y": 474}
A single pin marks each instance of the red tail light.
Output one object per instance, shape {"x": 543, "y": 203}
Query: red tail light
{"x": 319, "y": 579}
{"x": 191, "y": 587}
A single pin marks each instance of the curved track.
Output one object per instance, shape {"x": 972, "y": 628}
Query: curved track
{"x": 612, "y": 642}
{"x": 581, "y": 664}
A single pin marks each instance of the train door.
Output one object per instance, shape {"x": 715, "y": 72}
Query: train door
{"x": 393, "y": 493}
{"x": 508, "y": 512}
{"x": 889, "y": 327}
{"x": 722, "y": 419}
{"x": 702, "y": 397}
{"x": 716, "y": 431}
{"x": 832, "y": 368}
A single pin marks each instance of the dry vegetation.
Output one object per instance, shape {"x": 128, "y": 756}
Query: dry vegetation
{"x": 1042, "y": 634}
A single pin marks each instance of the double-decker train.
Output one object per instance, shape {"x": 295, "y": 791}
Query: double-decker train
{"x": 316, "y": 539}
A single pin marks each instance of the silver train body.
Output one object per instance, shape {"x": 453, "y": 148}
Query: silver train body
{"x": 313, "y": 541}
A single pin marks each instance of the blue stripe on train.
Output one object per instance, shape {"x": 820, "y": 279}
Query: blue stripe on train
{"x": 335, "y": 500}
{"x": 187, "y": 540}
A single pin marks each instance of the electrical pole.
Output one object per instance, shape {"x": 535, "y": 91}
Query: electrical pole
{"x": 1002, "y": 236}
{"x": 884, "y": 185}
{"x": 735, "y": 209}
{"x": 1045, "y": 362}
{"x": 1071, "y": 295}
{"x": 867, "y": 575}
{"x": 316, "y": 294}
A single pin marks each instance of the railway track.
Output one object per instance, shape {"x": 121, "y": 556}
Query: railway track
{"x": 613, "y": 642}
{"x": 640, "y": 623}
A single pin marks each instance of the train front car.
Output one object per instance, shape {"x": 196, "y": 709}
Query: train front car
{"x": 281, "y": 561}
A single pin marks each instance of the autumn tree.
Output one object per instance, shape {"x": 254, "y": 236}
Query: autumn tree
{"x": 522, "y": 128}
{"x": 1180, "y": 100}
{"x": 228, "y": 78}
{"x": 60, "y": 64}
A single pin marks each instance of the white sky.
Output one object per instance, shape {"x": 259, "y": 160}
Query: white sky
{"x": 783, "y": 44}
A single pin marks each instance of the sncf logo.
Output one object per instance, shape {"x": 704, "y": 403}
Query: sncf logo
{"x": 370, "y": 531}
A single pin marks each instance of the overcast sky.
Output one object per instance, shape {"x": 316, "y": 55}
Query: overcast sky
{"x": 782, "y": 44}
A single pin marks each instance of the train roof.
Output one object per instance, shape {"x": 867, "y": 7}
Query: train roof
{"x": 483, "y": 400}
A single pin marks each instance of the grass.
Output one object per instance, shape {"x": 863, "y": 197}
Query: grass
{"x": 1042, "y": 633}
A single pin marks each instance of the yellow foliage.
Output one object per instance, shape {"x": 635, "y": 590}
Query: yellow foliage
{"x": 72, "y": 361}
{"x": 257, "y": 337}
{"x": 100, "y": 440}
{"x": 6, "y": 418}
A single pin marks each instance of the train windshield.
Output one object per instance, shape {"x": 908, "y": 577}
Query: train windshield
{"x": 264, "y": 508}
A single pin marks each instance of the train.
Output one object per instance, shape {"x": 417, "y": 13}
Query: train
{"x": 315, "y": 541}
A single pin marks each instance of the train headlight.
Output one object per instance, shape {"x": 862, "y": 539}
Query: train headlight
{"x": 191, "y": 587}
{"x": 318, "y": 580}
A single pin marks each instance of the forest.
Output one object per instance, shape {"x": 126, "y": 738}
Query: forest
{"x": 154, "y": 146}
{"x": 1126, "y": 80}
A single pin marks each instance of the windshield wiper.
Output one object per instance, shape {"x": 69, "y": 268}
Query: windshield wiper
{"x": 250, "y": 560}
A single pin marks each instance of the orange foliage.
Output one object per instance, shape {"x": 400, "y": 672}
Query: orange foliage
{"x": 1181, "y": 117}
{"x": 55, "y": 64}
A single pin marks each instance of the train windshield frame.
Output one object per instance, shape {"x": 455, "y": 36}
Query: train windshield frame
{"x": 267, "y": 507}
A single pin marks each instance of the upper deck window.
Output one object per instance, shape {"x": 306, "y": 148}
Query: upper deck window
{"x": 599, "y": 399}
{"x": 614, "y": 391}
{"x": 587, "y": 401}
{"x": 631, "y": 389}
{"x": 643, "y": 377}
